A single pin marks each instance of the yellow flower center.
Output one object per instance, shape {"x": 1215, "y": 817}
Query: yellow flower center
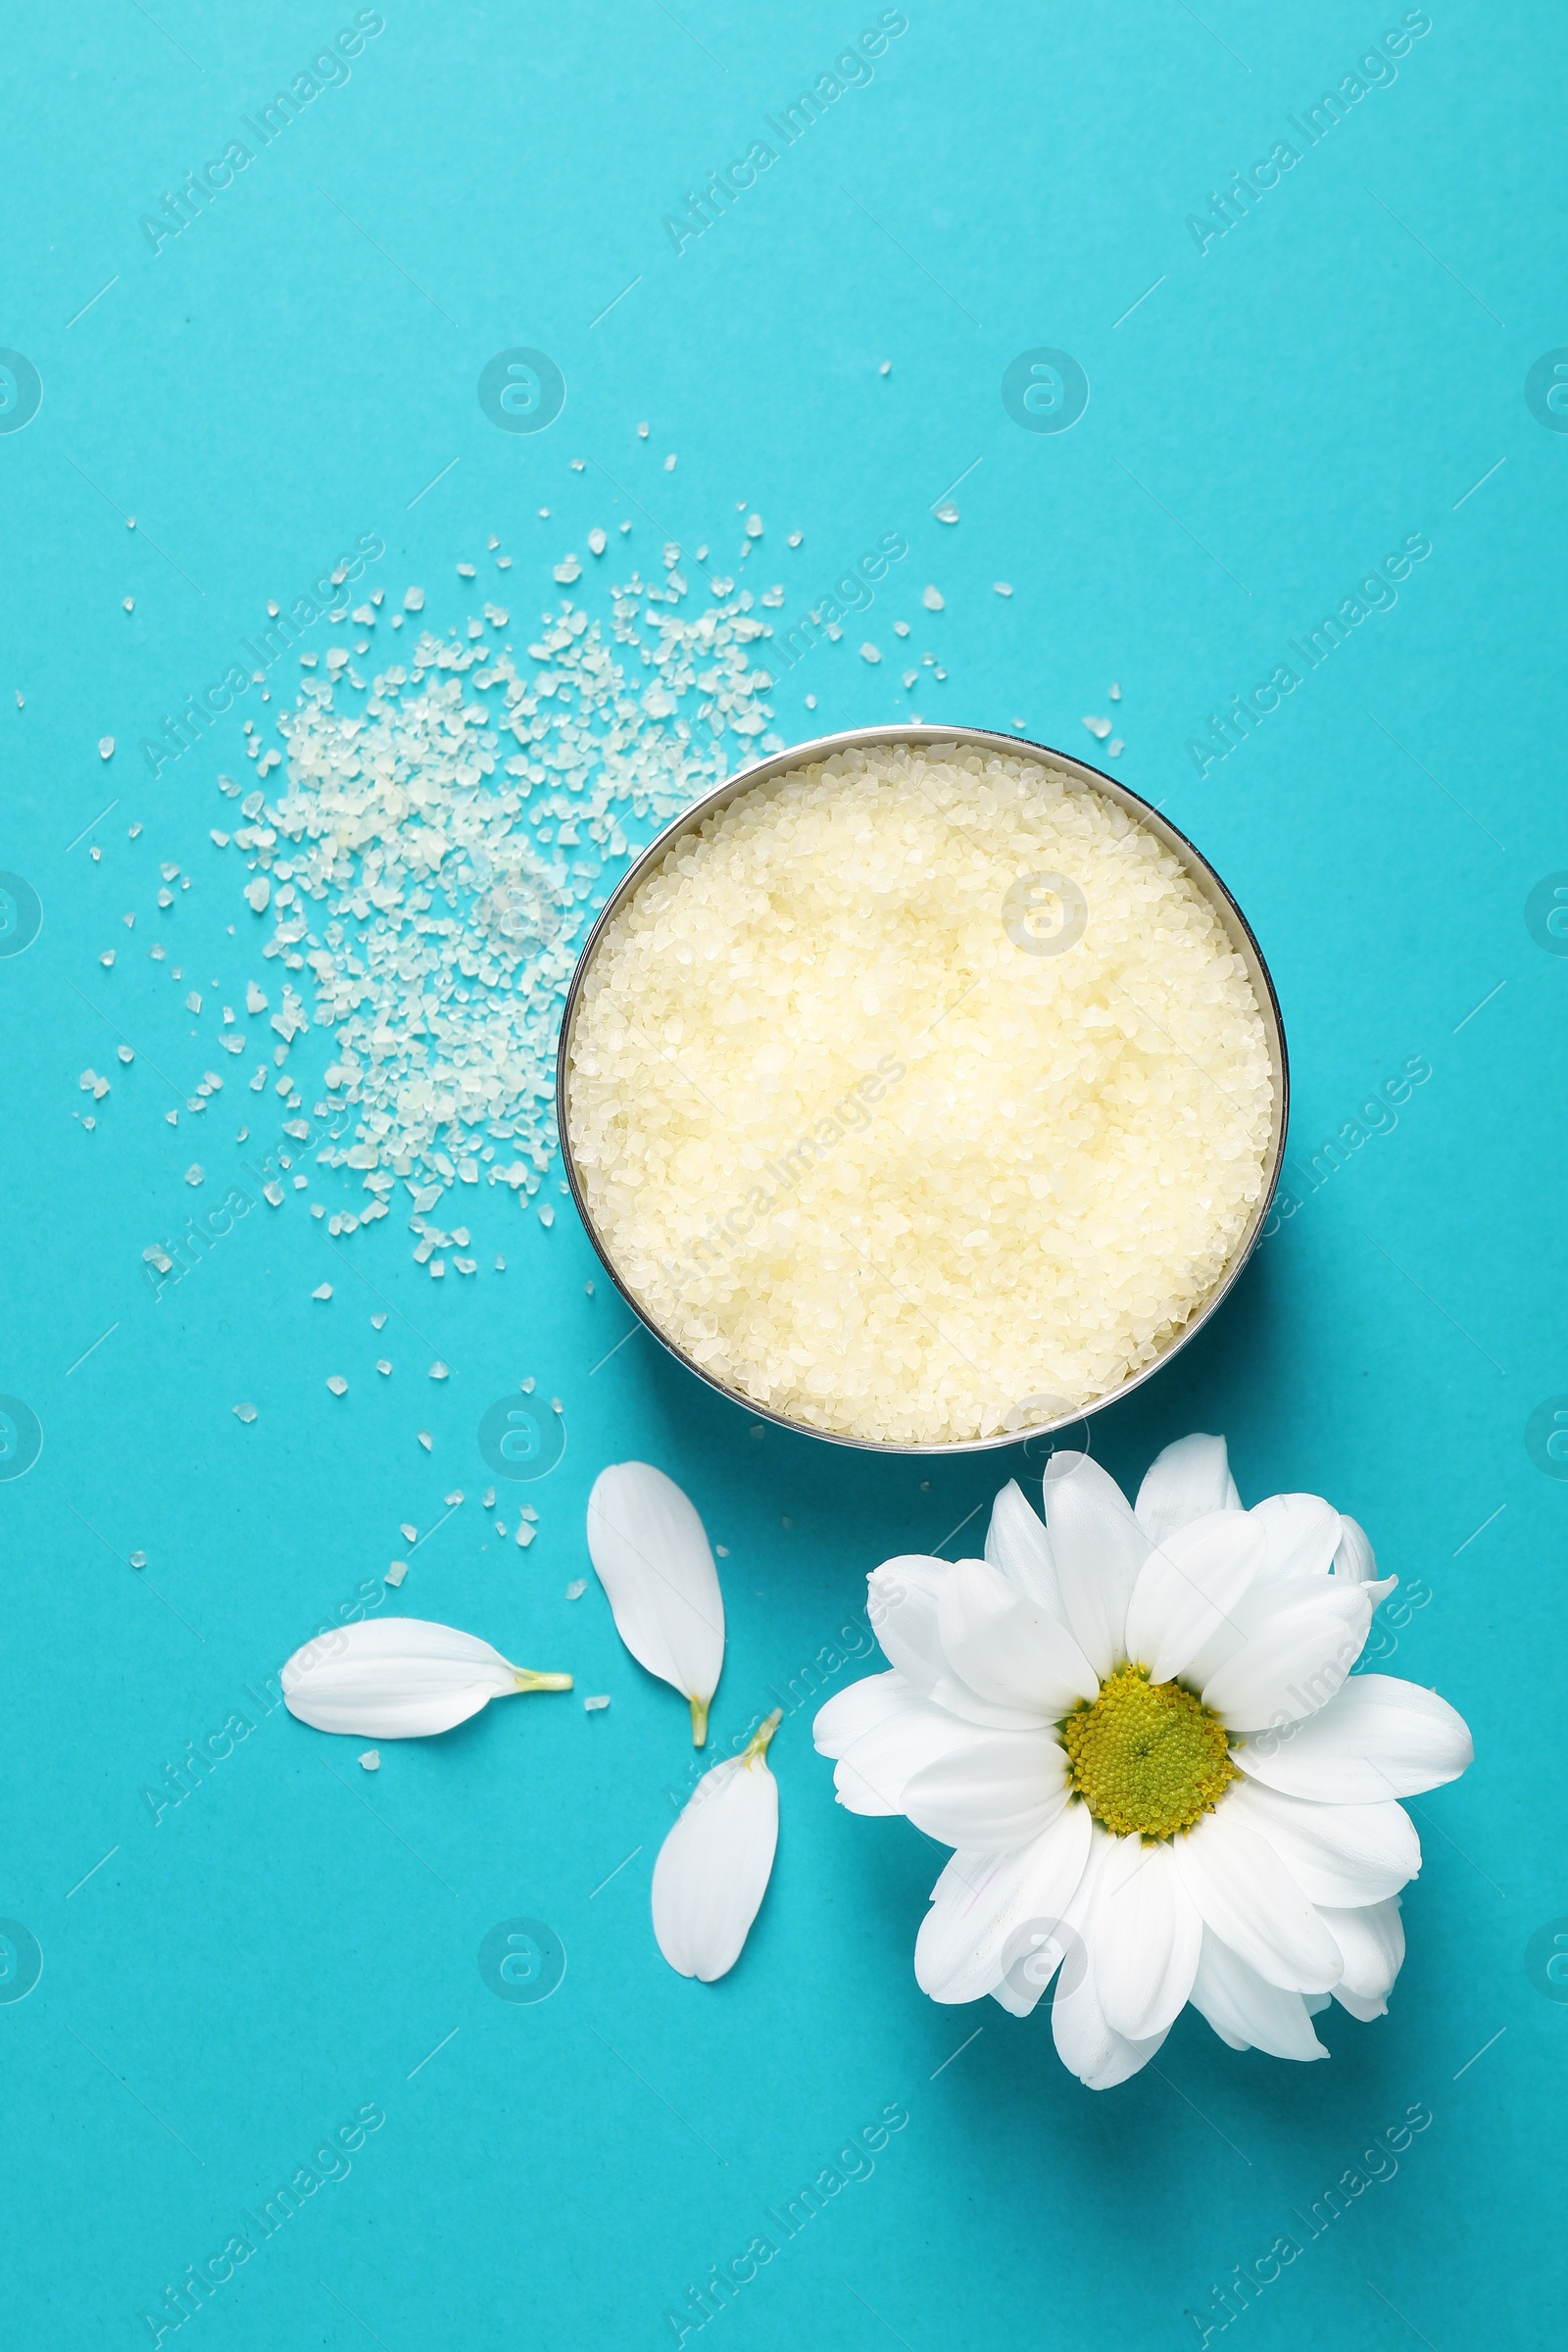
{"x": 1146, "y": 1757}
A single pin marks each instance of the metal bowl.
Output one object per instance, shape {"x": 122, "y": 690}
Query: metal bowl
{"x": 1208, "y": 882}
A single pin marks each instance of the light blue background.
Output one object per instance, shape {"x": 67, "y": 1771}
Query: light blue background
{"x": 1335, "y": 373}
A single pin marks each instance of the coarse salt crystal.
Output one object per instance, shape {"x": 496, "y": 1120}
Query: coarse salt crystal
{"x": 902, "y": 1277}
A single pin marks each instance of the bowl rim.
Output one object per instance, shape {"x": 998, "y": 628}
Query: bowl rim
{"x": 921, "y": 734}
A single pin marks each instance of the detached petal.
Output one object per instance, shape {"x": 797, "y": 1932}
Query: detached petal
{"x": 1379, "y": 1737}
{"x": 650, "y": 1555}
{"x": 1188, "y": 1588}
{"x": 1246, "y": 2010}
{"x": 1098, "y": 1548}
{"x": 1018, "y": 1544}
{"x": 1187, "y": 1481}
{"x": 1348, "y": 1855}
{"x": 400, "y": 1678}
{"x": 1007, "y": 1648}
{"x": 1371, "y": 1942}
{"x": 998, "y": 1790}
{"x": 1250, "y": 1901}
{"x": 1301, "y": 1640}
{"x": 1144, "y": 1932}
{"x": 712, "y": 1868}
{"x": 990, "y": 1912}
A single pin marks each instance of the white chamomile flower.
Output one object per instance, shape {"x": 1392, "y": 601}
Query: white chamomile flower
{"x": 1137, "y": 1728}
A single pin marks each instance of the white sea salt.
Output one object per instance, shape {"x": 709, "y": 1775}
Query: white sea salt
{"x": 245, "y": 1412}
{"x": 338, "y": 1383}
{"x": 396, "y": 1573}
{"x": 443, "y": 836}
{"x": 866, "y": 1153}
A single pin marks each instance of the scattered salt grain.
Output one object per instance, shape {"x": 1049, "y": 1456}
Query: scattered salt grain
{"x": 396, "y": 1573}
{"x": 525, "y": 1535}
{"x": 370, "y": 1761}
{"x": 106, "y": 747}
{"x": 547, "y": 1215}
{"x": 438, "y": 1371}
{"x": 578, "y": 1588}
{"x": 245, "y": 1413}
{"x": 107, "y": 959}
{"x": 382, "y": 1366}
{"x": 195, "y": 1173}
{"x": 597, "y": 542}
{"x": 1115, "y": 691}
{"x": 722, "y": 1550}
{"x": 931, "y": 598}
{"x": 338, "y": 1383}
{"x": 138, "y": 1559}
{"x": 593, "y": 1706}
{"x": 323, "y": 1291}
{"x": 1001, "y": 587}
{"x": 947, "y": 511}
{"x": 1099, "y": 727}
{"x": 870, "y": 651}
{"x": 378, "y": 1322}
{"x": 414, "y": 600}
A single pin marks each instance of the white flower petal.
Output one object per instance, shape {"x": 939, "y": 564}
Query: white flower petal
{"x": 1347, "y": 1855}
{"x": 1310, "y": 1633}
{"x": 1187, "y": 1481}
{"x": 991, "y": 1912}
{"x": 999, "y": 1789}
{"x": 902, "y": 1598}
{"x": 1142, "y": 1931}
{"x": 1378, "y": 1738}
{"x": 1360, "y": 2007}
{"x": 1246, "y": 2010}
{"x": 1088, "y": 2045}
{"x": 1188, "y": 1588}
{"x": 1098, "y": 1548}
{"x": 650, "y": 1555}
{"x": 1085, "y": 2040}
{"x": 1007, "y": 1648}
{"x": 712, "y": 1868}
{"x": 1018, "y": 1544}
{"x": 1371, "y": 1942}
{"x": 400, "y": 1678}
{"x": 1302, "y": 1532}
{"x": 1355, "y": 1563}
{"x": 1251, "y": 1903}
{"x": 873, "y": 1772}
{"x": 851, "y": 1713}
{"x": 1354, "y": 1557}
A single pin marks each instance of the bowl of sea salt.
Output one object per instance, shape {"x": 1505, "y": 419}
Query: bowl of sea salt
{"x": 922, "y": 1088}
